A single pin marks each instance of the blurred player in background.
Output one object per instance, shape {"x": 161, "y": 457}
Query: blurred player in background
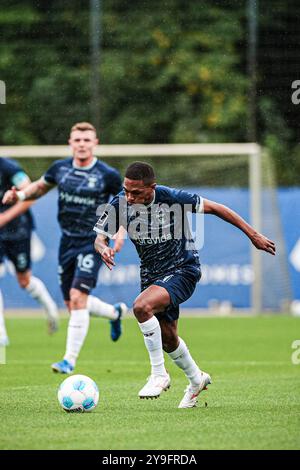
{"x": 170, "y": 270}
{"x": 16, "y": 225}
{"x": 83, "y": 184}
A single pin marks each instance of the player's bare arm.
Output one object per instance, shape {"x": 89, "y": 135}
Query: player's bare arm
{"x": 14, "y": 211}
{"x": 18, "y": 209}
{"x": 107, "y": 254}
{"x": 119, "y": 238}
{"x": 259, "y": 241}
{"x": 33, "y": 191}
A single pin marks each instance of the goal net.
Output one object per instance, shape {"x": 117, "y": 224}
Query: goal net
{"x": 235, "y": 274}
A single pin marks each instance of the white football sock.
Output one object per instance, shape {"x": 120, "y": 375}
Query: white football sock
{"x": 37, "y": 290}
{"x": 3, "y": 332}
{"x": 152, "y": 337}
{"x": 97, "y": 308}
{"x": 183, "y": 359}
{"x": 77, "y": 331}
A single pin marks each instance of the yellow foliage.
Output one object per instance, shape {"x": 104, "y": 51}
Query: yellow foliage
{"x": 192, "y": 88}
{"x": 212, "y": 119}
{"x": 162, "y": 40}
{"x": 204, "y": 73}
{"x": 218, "y": 98}
{"x": 156, "y": 60}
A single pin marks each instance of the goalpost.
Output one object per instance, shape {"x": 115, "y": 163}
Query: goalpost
{"x": 251, "y": 151}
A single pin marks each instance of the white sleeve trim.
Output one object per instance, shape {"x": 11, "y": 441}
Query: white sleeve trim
{"x": 21, "y": 195}
{"x": 200, "y": 205}
{"x": 101, "y": 232}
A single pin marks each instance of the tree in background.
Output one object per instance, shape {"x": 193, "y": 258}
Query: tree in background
{"x": 171, "y": 71}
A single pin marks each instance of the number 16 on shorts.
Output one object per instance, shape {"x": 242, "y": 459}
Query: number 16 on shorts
{"x": 85, "y": 262}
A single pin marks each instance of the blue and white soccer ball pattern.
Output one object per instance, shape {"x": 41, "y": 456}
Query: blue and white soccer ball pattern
{"x": 78, "y": 393}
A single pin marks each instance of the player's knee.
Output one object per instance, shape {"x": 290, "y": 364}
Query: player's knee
{"x": 142, "y": 310}
{"x": 23, "y": 283}
{"x": 23, "y": 280}
{"x": 78, "y": 300}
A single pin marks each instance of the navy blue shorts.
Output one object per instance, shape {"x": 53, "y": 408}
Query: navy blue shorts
{"x": 18, "y": 252}
{"x": 180, "y": 285}
{"x": 79, "y": 265}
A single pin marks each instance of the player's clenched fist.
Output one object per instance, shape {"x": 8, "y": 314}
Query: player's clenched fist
{"x": 11, "y": 196}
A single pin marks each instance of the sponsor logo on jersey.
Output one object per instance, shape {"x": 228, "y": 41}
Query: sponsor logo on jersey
{"x": 92, "y": 181}
{"x": 155, "y": 240}
{"x": 73, "y": 198}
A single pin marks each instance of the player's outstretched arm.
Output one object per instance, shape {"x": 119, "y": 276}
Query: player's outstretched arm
{"x": 107, "y": 254}
{"x": 16, "y": 210}
{"x": 33, "y": 191}
{"x": 259, "y": 241}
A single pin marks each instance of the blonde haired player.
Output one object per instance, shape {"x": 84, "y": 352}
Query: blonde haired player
{"x": 83, "y": 183}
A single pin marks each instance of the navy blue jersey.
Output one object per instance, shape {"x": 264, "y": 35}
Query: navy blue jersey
{"x": 159, "y": 231}
{"x": 11, "y": 174}
{"x": 80, "y": 192}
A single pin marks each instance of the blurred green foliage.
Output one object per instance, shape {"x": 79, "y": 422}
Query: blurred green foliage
{"x": 171, "y": 71}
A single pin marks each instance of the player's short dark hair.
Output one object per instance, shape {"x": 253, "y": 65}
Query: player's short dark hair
{"x": 141, "y": 171}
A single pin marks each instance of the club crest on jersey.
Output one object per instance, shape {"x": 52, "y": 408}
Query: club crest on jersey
{"x": 92, "y": 181}
{"x": 103, "y": 218}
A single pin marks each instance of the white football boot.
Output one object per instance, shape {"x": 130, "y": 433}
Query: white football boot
{"x": 191, "y": 392}
{"x": 155, "y": 385}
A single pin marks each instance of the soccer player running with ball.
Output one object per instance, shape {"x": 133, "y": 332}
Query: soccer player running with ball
{"x": 83, "y": 183}
{"x": 155, "y": 218}
{"x": 16, "y": 226}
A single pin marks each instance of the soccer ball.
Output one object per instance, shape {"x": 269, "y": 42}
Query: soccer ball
{"x": 78, "y": 393}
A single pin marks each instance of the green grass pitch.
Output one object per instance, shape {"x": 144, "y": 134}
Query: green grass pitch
{"x": 253, "y": 403}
